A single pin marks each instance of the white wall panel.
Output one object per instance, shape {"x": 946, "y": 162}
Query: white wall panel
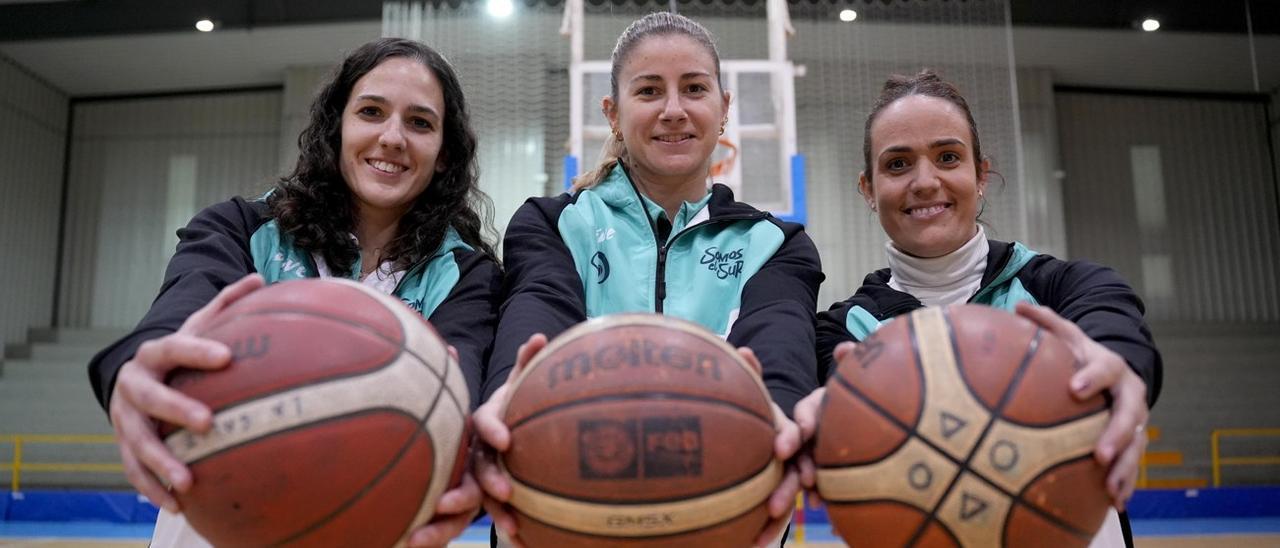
{"x": 1221, "y": 241}
{"x": 123, "y": 154}
{"x": 1042, "y": 174}
{"x": 33, "y": 118}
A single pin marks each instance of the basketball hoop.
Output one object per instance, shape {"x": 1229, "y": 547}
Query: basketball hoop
{"x": 724, "y": 165}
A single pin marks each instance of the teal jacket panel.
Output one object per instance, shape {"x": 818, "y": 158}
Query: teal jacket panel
{"x": 737, "y": 271}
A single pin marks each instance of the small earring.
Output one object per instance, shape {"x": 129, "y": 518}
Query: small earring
{"x": 616, "y": 135}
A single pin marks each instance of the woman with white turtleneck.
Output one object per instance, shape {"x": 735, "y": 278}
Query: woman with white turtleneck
{"x": 925, "y": 177}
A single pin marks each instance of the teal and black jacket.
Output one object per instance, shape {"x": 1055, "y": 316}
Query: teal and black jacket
{"x": 455, "y": 287}
{"x": 1092, "y": 296}
{"x": 737, "y": 271}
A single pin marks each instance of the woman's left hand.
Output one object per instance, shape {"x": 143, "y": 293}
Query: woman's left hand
{"x": 1121, "y": 445}
{"x": 455, "y": 510}
{"x": 785, "y": 445}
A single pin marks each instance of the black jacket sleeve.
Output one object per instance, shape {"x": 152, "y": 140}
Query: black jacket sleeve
{"x": 876, "y": 298}
{"x": 831, "y": 332}
{"x": 542, "y": 292}
{"x": 1098, "y": 300}
{"x": 212, "y": 253}
{"x": 467, "y": 317}
{"x": 776, "y": 318}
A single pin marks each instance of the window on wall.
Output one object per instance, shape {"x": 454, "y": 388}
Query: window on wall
{"x": 1149, "y": 206}
{"x": 1176, "y": 193}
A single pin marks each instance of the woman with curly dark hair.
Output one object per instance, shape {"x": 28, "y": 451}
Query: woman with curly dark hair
{"x": 385, "y": 193}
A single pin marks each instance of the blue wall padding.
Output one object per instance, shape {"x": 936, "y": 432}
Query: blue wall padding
{"x": 799, "y": 202}
{"x": 1233, "y": 502}
{"x": 1223, "y": 502}
{"x": 570, "y": 170}
{"x": 109, "y": 506}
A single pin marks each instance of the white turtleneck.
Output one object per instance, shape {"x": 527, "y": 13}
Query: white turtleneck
{"x": 949, "y": 279}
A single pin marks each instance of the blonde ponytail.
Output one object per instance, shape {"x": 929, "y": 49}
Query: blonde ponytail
{"x": 611, "y": 153}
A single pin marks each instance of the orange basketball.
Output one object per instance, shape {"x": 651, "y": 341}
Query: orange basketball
{"x": 956, "y": 427}
{"x": 339, "y": 421}
{"x": 640, "y": 430}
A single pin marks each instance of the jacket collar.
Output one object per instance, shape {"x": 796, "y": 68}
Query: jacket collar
{"x": 619, "y": 191}
{"x": 1004, "y": 260}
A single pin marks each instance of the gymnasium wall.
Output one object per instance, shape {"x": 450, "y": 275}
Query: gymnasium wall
{"x": 1176, "y": 193}
{"x": 33, "y": 118}
{"x": 141, "y": 168}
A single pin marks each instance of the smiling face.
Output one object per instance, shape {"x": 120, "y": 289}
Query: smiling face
{"x": 669, "y": 109}
{"x": 392, "y": 131}
{"x": 925, "y": 182}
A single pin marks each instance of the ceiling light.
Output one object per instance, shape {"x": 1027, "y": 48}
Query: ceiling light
{"x": 1150, "y": 25}
{"x": 500, "y": 8}
{"x": 204, "y": 25}
{"x": 848, "y": 15}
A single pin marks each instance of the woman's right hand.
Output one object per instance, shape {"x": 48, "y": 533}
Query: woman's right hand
{"x": 806, "y": 414}
{"x": 140, "y": 398}
{"x": 494, "y": 438}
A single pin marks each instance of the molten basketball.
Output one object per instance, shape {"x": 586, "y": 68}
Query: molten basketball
{"x": 339, "y": 421}
{"x": 640, "y": 430}
{"x": 955, "y": 427}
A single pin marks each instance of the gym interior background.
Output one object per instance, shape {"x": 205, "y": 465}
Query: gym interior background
{"x": 1152, "y": 151}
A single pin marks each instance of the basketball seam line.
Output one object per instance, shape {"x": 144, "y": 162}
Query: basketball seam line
{"x": 655, "y": 395}
{"x": 543, "y": 489}
{"x": 296, "y": 427}
{"x": 646, "y": 537}
{"x": 401, "y": 347}
{"x": 358, "y": 494}
{"x": 938, "y": 450}
{"x": 1033, "y": 347}
{"x": 1071, "y": 529}
{"x": 617, "y": 321}
{"x": 435, "y": 451}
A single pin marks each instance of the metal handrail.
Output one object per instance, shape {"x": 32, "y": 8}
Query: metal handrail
{"x": 1219, "y": 461}
{"x": 17, "y": 465}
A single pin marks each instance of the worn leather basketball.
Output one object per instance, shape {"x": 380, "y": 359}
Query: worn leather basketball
{"x": 640, "y": 430}
{"x": 339, "y": 422}
{"x": 956, "y": 427}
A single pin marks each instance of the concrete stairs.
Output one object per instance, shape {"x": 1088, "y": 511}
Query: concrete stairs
{"x": 1215, "y": 377}
{"x": 1161, "y": 461}
{"x": 44, "y": 389}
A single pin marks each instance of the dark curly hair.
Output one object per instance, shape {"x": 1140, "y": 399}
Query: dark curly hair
{"x": 315, "y": 207}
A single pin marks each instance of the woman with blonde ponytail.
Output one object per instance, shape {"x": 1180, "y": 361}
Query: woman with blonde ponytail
{"x": 643, "y": 232}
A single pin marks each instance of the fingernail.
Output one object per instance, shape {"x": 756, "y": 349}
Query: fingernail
{"x": 178, "y": 479}
{"x": 1079, "y": 385}
{"x": 216, "y": 352}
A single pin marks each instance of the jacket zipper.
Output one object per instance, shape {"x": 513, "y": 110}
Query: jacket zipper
{"x": 660, "y": 277}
